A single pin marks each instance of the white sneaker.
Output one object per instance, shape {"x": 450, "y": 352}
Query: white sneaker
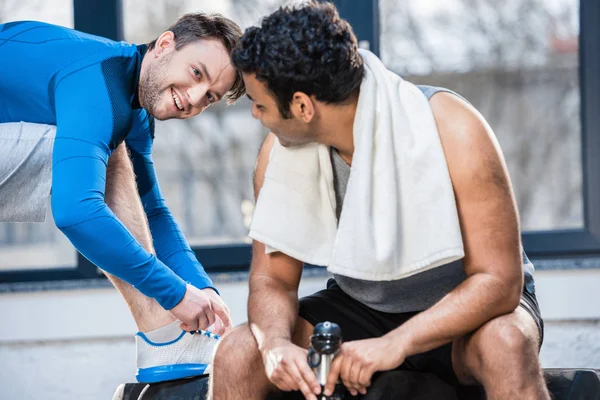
{"x": 189, "y": 354}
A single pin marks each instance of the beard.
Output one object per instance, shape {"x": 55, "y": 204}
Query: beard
{"x": 151, "y": 85}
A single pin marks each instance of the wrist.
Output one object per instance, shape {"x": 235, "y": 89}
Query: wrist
{"x": 270, "y": 342}
{"x": 178, "y": 289}
{"x": 401, "y": 344}
{"x": 210, "y": 288}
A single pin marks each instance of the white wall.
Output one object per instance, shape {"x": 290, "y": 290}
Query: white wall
{"x": 78, "y": 344}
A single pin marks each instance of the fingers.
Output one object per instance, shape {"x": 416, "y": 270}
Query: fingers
{"x": 287, "y": 368}
{"x": 334, "y": 375}
{"x": 201, "y": 321}
{"x": 353, "y": 379}
{"x": 190, "y": 325}
{"x": 364, "y": 379}
{"x": 283, "y": 376}
{"x": 290, "y": 377}
{"x": 346, "y": 374}
{"x": 222, "y": 312}
{"x": 284, "y": 381}
{"x": 218, "y": 327}
{"x": 205, "y": 320}
{"x": 186, "y": 327}
{"x": 302, "y": 384}
{"x": 309, "y": 377}
{"x": 351, "y": 372}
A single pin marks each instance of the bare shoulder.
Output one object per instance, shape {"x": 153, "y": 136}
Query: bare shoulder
{"x": 484, "y": 199}
{"x": 262, "y": 161}
{"x": 470, "y": 145}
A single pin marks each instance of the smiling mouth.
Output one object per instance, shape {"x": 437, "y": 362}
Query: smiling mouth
{"x": 177, "y": 100}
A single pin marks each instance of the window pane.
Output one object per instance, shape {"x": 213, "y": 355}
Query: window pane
{"x": 517, "y": 62}
{"x": 204, "y": 164}
{"x": 59, "y": 12}
{"x": 35, "y": 246}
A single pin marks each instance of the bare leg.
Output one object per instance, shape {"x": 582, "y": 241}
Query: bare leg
{"x": 123, "y": 199}
{"x": 502, "y": 355}
{"x": 238, "y": 360}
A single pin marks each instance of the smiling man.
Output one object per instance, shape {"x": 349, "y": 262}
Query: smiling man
{"x": 68, "y": 101}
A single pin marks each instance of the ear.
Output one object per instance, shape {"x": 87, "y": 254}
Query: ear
{"x": 302, "y": 107}
{"x": 164, "y": 44}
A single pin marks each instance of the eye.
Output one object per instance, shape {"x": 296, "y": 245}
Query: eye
{"x": 211, "y": 98}
{"x": 197, "y": 72}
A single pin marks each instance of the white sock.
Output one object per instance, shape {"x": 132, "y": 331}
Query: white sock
{"x": 166, "y": 333}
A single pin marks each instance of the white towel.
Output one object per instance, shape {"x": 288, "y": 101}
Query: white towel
{"x": 399, "y": 216}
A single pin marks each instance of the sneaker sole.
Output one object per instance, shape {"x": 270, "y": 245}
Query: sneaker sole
{"x": 171, "y": 372}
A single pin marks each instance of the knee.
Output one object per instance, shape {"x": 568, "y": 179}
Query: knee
{"x": 237, "y": 348}
{"x": 503, "y": 345}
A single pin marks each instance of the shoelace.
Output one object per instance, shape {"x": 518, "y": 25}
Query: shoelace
{"x": 206, "y": 333}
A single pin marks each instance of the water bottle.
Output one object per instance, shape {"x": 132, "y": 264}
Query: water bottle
{"x": 325, "y": 344}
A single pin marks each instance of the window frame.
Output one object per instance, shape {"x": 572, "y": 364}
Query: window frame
{"x": 104, "y": 17}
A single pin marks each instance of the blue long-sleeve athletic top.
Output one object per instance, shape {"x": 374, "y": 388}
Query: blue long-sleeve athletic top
{"x": 87, "y": 86}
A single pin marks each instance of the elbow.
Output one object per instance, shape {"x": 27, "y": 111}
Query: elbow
{"x": 510, "y": 290}
{"x": 63, "y": 214}
{"x": 70, "y": 212}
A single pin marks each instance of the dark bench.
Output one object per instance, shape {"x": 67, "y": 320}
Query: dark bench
{"x": 564, "y": 384}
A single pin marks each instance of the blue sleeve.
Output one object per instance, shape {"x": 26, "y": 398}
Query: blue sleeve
{"x": 88, "y": 127}
{"x": 170, "y": 244}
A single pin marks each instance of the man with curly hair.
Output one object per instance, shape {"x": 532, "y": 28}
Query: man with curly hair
{"x": 76, "y": 111}
{"x": 338, "y": 176}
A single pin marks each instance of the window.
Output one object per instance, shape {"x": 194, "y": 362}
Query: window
{"x": 518, "y": 63}
{"x": 35, "y": 246}
{"x": 58, "y": 12}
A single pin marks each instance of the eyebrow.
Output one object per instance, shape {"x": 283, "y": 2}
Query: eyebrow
{"x": 205, "y": 72}
{"x": 254, "y": 101}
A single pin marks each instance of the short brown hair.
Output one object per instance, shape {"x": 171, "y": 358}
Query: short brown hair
{"x": 196, "y": 26}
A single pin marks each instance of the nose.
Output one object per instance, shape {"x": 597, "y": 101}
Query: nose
{"x": 197, "y": 94}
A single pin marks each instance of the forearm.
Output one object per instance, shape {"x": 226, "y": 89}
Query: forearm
{"x": 171, "y": 245}
{"x": 172, "y": 248}
{"x": 478, "y": 299}
{"x": 122, "y": 197}
{"x": 81, "y": 213}
{"x": 272, "y": 310}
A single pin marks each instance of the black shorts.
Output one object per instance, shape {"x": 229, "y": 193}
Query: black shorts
{"x": 358, "y": 321}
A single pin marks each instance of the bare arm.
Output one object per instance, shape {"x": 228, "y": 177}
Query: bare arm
{"x": 274, "y": 279}
{"x": 493, "y": 265}
{"x": 490, "y": 229}
{"x": 273, "y": 301}
{"x": 273, "y": 307}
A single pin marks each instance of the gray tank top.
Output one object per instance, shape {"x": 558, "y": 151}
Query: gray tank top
{"x": 415, "y": 293}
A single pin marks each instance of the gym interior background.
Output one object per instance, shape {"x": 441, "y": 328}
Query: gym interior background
{"x": 530, "y": 67}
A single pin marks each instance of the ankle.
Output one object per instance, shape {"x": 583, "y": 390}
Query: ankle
{"x": 164, "y": 333}
{"x": 149, "y": 325}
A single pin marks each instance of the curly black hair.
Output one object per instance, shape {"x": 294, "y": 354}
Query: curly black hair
{"x": 306, "y": 48}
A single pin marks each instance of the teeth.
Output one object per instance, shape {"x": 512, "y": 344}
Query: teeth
{"x": 177, "y": 101}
